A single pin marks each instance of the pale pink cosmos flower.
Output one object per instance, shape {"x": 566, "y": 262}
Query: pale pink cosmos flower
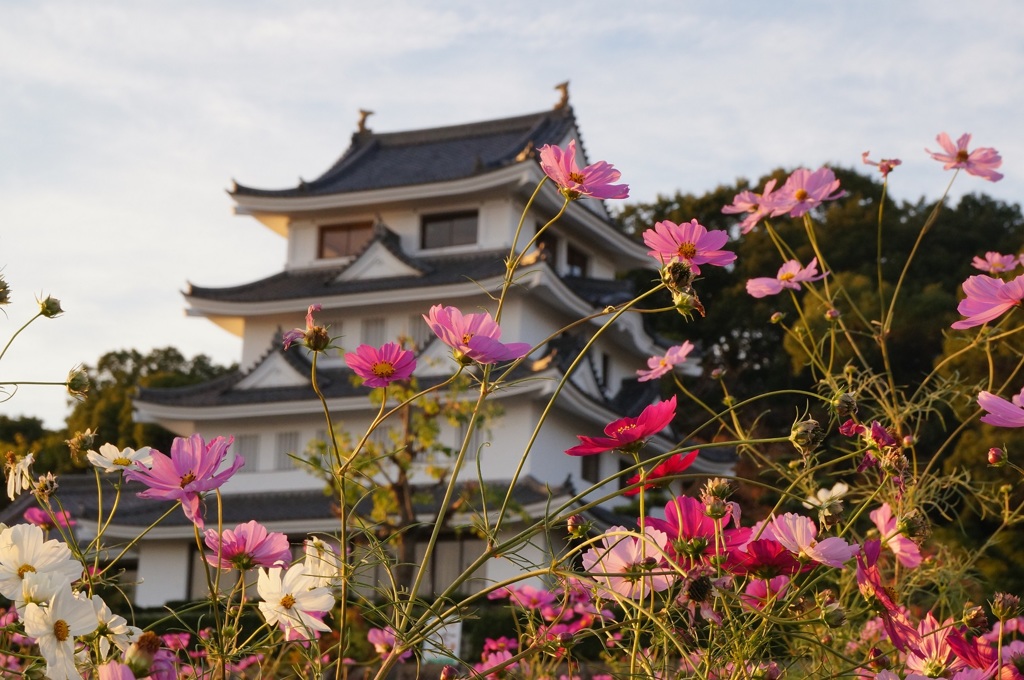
{"x": 799, "y": 535}
{"x": 630, "y": 564}
{"x": 790, "y": 275}
{"x": 932, "y": 650}
{"x": 384, "y": 641}
{"x": 996, "y": 263}
{"x": 659, "y": 366}
{"x": 247, "y": 546}
{"x": 628, "y": 434}
{"x": 757, "y": 205}
{"x": 690, "y": 243}
{"x": 885, "y": 166}
{"x": 379, "y": 367}
{"x": 905, "y": 550}
{"x": 1000, "y": 412}
{"x": 473, "y": 337}
{"x": 988, "y": 298}
{"x": 804, "y": 190}
{"x": 191, "y": 470}
{"x": 594, "y": 180}
{"x": 982, "y": 162}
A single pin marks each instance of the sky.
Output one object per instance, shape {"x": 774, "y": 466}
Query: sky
{"x": 122, "y": 124}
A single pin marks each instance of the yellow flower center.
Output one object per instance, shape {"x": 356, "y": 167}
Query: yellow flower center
{"x": 466, "y": 338}
{"x": 121, "y": 460}
{"x": 288, "y": 601}
{"x": 577, "y": 177}
{"x": 626, "y": 428}
{"x": 383, "y": 369}
{"x": 187, "y": 479}
{"x": 687, "y": 250}
{"x": 788, "y": 276}
{"x": 962, "y": 156}
{"x": 61, "y": 631}
{"x": 24, "y": 569}
{"x": 800, "y": 195}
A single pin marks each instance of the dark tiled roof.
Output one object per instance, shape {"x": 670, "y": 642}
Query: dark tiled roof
{"x": 381, "y": 160}
{"x": 77, "y": 495}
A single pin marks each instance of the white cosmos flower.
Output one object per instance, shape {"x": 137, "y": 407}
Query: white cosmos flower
{"x": 112, "y": 627}
{"x": 19, "y": 476}
{"x": 55, "y": 626}
{"x": 322, "y": 562}
{"x": 826, "y": 496}
{"x": 294, "y": 600}
{"x": 23, "y": 549}
{"x": 112, "y": 459}
{"x": 39, "y": 587}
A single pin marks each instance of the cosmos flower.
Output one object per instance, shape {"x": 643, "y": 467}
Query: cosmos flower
{"x": 42, "y": 519}
{"x": 799, "y": 535}
{"x": 248, "y": 545}
{"x": 988, "y": 298}
{"x": 996, "y": 263}
{"x": 24, "y": 550}
{"x": 312, "y": 336}
{"x": 659, "y": 366}
{"x": 905, "y": 550}
{"x": 379, "y": 367}
{"x": 691, "y": 533}
{"x": 294, "y": 600}
{"x": 758, "y": 206}
{"x": 112, "y": 459}
{"x": 191, "y": 470}
{"x": 594, "y": 180}
{"x": 19, "y": 474}
{"x": 1000, "y": 412}
{"x": 630, "y": 564}
{"x": 321, "y": 562}
{"x": 982, "y": 162}
{"x": 804, "y": 190}
{"x": 690, "y": 243}
{"x": 790, "y": 275}
{"x": 55, "y": 626}
{"x": 628, "y": 433}
{"x": 472, "y": 337}
{"x": 869, "y": 580}
{"x": 383, "y": 641}
{"x": 667, "y": 468}
{"x": 885, "y": 166}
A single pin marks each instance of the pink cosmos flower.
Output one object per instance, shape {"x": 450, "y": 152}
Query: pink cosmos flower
{"x": 932, "y": 650}
{"x": 1000, "y": 412}
{"x": 628, "y": 433}
{"x": 659, "y": 366}
{"x": 790, "y": 275}
{"x": 249, "y": 545}
{"x": 996, "y": 263}
{"x": 666, "y": 468}
{"x": 905, "y": 550}
{"x": 761, "y": 591}
{"x": 594, "y": 180}
{"x": 42, "y": 519}
{"x": 982, "y": 162}
{"x": 473, "y": 337}
{"x": 383, "y": 641}
{"x": 804, "y": 190}
{"x": 191, "y": 469}
{"x": 988, "y": 298}
{"x": 381, "y": 367}
{"x": 885, "y": 166}
{"x": 799, "y": 535}
{"x": 758, "y": 206}
{"x": 869, "y": 579}
{"x": 690, "y": 243}
{"x": 630, "y": 564}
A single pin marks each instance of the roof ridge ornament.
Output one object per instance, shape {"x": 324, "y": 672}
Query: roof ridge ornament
{"x": 563, "y": 102}
{"x": 363, "y": 115}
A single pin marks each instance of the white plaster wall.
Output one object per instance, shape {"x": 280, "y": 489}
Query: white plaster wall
{"x": 163, "y": 572}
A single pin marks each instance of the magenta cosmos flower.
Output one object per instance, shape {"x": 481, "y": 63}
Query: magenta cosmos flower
{"x": 804, "y": 190}
{"x": 667, "y": 468}
{"x": 594, "y": 180}
{"x": 758, "y": 206}
{"x": 1000, "y": 412}
{"x": 42, "y": 519}
{"x": 982, "y": 162}
{"x": 885, "y": 166}
{"x": 380, "y": 367}
{"x": 996, "y": 263}
{"x": 790, "y": 275}
{"x": 690, "y": 243}
{"x": 191, "y": 469}
{"x": 628, "y": 434}
{"x": 473, "y": 337}
{"x": 659, "y": 366}
{"x": 691, "y": 533}
{"x": 247, "y": 546}
{"x": 988, "y": 298}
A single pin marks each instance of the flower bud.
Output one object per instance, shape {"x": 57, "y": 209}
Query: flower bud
{"x": 1005, "y": 606}
{"x": 50, "y": 307}
{"x": 317, "y": 338}
{"x": 974, "y": 617}
{"x": 833, "y": 615}
{"x": 678, "y": 277}
{"x": 777, "y": 317}
{"x": 845, "y": 405}
{"x": 806, "y": 435}
{"x": 45, "y": 486}
{"x": 908, "y": 441}
{"x": 996, "y": 457}
{"x": 449, "y": 673}
{"x": 140, "y": 655}
{"x": 578, "y": 527}
{"x": 78, "y": 382}
{"x": 832, "y": 315}
{"x": 686, "y": 303}
{"x": 716, "y": 374}
{"x": 5, "y": 291}
{"x": 877, "y": 660}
